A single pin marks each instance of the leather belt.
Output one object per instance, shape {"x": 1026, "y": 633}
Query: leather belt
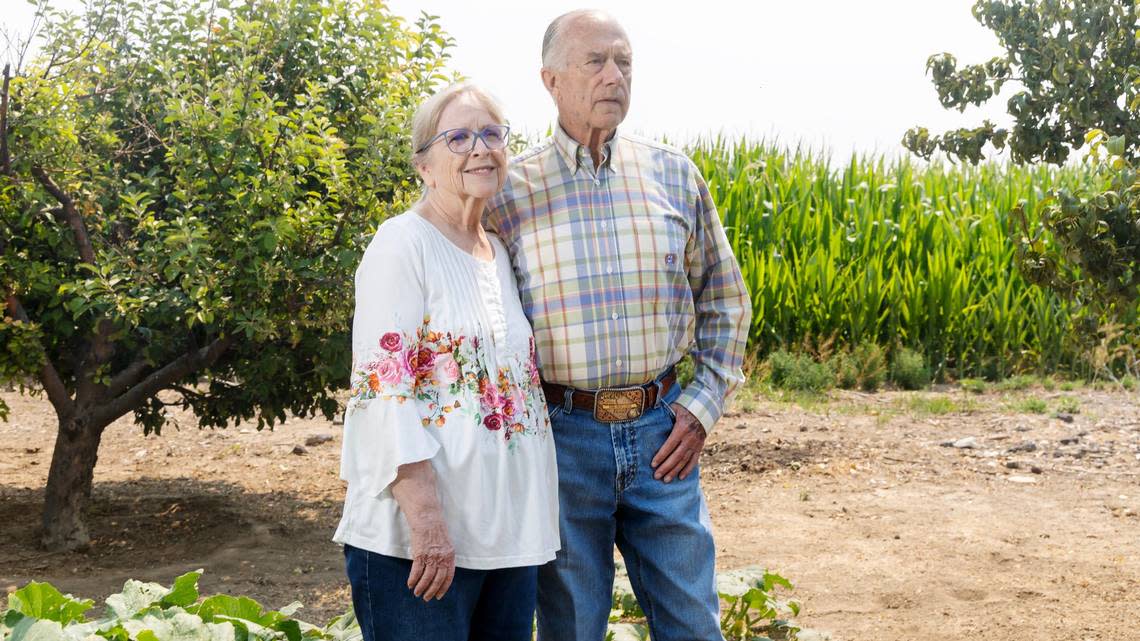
{"x": 614, "y": 404}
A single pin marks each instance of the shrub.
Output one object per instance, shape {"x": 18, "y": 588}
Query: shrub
{"x": 931, "y": 405}
{"x": 846, "y": 373}
{"x": 909, "y": 370}
{"x": 871, "y": 366}
{"x": 974, "y": 385}
{"x": 864, "y": 367}
{"x": 799, "y": 372}
{"x": 1032, "y": 406}
{"x": 1068, "y": 405}
{"x": 1015, "y": 383}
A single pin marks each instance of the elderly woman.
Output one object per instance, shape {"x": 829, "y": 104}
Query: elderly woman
{"x": 452, "y": 487}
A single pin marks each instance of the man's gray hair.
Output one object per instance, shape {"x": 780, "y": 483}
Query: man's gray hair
{"x": 553, "y": 48}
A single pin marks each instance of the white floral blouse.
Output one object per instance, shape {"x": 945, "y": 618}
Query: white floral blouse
{"x": 444, "y": 370}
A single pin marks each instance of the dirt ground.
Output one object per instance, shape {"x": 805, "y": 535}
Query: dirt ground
{"x": 891, "y": 520}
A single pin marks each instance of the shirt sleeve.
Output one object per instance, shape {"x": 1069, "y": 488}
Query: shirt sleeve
{"x": 723, "y": 312}
{"x": 383, "y": 428}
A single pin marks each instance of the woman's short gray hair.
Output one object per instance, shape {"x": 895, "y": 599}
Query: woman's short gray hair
{"x": 426, "y": 119}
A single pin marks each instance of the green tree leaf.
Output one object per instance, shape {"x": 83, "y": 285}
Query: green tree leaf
{"x": 1078, "y": 65}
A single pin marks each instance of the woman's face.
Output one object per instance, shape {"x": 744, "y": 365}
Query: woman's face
{"x": 478, "y": 173}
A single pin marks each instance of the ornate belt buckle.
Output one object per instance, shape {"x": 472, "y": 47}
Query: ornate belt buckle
{"x": 618, "y": 404}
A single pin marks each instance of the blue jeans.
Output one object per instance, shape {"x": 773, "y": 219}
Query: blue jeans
{"x": 607, "y": 495}
{"x": 481, "y": 605}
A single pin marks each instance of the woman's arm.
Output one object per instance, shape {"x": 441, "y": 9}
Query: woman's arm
{"x": 433, "y": 557}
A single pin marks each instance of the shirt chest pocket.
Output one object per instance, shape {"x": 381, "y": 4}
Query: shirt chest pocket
{"x": 653, "y": 247}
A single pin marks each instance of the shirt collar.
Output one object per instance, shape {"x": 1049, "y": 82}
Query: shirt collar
{"x": 575, "y": 154}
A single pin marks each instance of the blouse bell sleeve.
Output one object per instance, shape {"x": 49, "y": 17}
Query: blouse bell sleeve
{"x": 383, "y": 428}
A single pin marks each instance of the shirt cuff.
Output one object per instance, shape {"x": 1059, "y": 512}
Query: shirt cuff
{"x": 702, "y": 404}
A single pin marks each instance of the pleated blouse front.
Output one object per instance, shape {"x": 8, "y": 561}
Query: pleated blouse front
{"x": 444, "y": 370}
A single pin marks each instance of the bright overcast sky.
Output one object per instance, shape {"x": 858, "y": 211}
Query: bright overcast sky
{"x": 846, "y": 75}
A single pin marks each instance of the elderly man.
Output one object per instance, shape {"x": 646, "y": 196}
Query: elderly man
{"x": 623, "y": 268}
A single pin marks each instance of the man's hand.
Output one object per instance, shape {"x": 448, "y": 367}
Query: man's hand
{"x": 681, "y": 451}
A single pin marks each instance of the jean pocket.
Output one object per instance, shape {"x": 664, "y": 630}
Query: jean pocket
{"x": 669, "y": 411}
{"x": 553, "y": 409}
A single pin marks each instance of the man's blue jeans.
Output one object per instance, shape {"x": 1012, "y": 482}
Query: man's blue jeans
{"x": 607, "y": 494}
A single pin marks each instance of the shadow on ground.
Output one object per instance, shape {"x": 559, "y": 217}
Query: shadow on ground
{"x": 271, "y": 546}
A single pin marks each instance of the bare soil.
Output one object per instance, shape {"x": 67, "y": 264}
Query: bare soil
{"x": 887, "y": 530}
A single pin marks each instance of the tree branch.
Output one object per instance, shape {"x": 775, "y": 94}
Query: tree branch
{"x": 5, "y": 156}
{"x": 209, "y": 158}
{"x": 49, "y": 375}
{"x": 21, "y": 47}
{"x": 92, "y": 31}
{"x": 187, "y": 392}
{"x": 100, "y": 350}
{"x": 273, "y": 149}
{"x": 70, "y": 215}
{"x": 246, "y": 91}
{"x": 150, "y": 130}
{"x": 161, "y": 379}
{"x": 123, "y": 381}
{"x": 339, "y": 231}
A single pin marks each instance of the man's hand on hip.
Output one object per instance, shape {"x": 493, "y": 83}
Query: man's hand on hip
{"x": 679, "y": 455}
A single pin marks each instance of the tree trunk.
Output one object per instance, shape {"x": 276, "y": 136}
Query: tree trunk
{"x": 68, "y": 491}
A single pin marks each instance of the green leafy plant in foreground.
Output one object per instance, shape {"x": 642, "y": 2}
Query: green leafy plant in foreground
{"x": 149, "y": 611}
{"x": 152, "y": 612}
{"x": 758, "y": 614}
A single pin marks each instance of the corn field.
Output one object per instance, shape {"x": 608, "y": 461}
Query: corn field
{"x": 896, "y": 253}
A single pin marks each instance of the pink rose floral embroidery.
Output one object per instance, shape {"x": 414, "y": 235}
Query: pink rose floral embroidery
{"x": 516, "y": 401}
{"x": 425, "y": 361}
{"x": 532, "y": 365}
{"x": 389, "y": 371}
{"x": 406, "y": 357}
{"x": 447, "y": 369}
{"x": 490, "y": 398}
{"x": 448, "y": 377}
{"x": 391, "y": 342}
{"x": 493, "y": 422}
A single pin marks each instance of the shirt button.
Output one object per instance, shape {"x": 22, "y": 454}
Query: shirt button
{"x": 615, "y": 317}
{"x": 609, "y": 270}
{"x": 597, "y": 182}
{"x": 618, "y": 362}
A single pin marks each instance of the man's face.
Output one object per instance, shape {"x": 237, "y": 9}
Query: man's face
{"x": 592, "y": 90}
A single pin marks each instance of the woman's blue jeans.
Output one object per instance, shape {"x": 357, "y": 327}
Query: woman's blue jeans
{"x": 607, "y": 494}
{"x": 481, "y": 605}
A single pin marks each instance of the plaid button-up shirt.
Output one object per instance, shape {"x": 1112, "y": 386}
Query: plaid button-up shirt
{"x": 624, "y": 269}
